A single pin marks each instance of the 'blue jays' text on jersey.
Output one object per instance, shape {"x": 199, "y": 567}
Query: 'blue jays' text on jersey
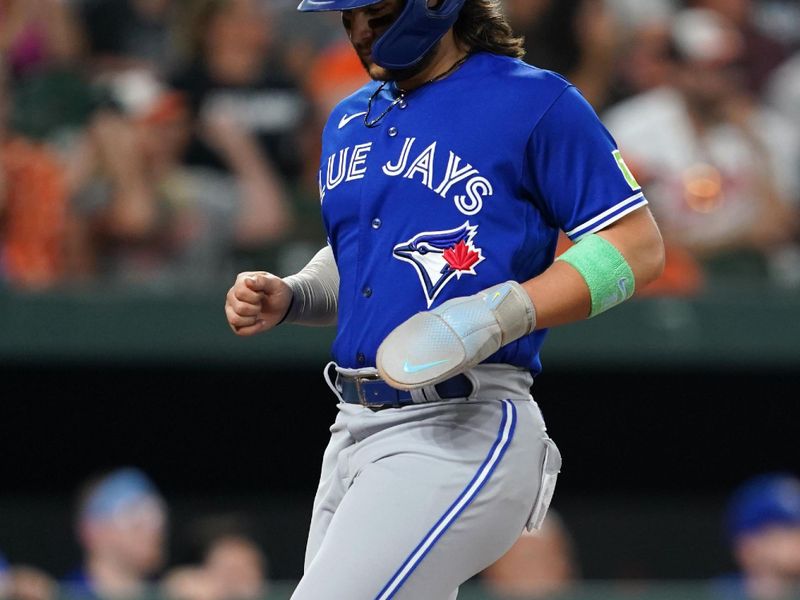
{"x": 463, "y": 185}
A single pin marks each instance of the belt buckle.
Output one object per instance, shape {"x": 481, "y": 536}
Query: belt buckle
{"x": 362, "y": 397}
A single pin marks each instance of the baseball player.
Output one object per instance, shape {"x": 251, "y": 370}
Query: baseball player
{"x": 444, "y": 184}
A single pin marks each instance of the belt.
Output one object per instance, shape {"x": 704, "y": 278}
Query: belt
{"x": 376, "y": 394}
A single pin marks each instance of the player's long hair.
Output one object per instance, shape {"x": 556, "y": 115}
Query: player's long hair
{"x": 483, "y": 26}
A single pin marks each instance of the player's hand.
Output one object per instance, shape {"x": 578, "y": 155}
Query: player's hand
{"x": 435, "y": 345}
{"x": 256, "y": 302}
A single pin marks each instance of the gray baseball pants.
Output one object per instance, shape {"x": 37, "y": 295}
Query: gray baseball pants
{"x": 414, "y": 501}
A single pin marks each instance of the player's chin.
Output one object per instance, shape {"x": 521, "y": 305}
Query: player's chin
{"x": 375, "y": 71}
{"x": 379, "y": 73}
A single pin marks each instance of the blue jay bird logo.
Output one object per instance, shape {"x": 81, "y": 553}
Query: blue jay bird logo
{"x": 438, "y": 256}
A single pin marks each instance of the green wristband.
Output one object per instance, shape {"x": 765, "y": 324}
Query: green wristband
{"x": 604, "y": 269}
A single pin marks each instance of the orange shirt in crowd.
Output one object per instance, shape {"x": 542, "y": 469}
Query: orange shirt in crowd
{"x": 34, "y": 213}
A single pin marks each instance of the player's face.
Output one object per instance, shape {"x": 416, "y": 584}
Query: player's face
{"x": 364, "y": 26}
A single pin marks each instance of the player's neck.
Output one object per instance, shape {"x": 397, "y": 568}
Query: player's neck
{"x": 447, "y": 55}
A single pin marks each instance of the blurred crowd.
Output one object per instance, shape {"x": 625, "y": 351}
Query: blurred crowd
{"x": 156, "y": 142}
{"x": 173, "y": 143}
{"x": 168, "y": 143}
{"x": 122, "y": 522}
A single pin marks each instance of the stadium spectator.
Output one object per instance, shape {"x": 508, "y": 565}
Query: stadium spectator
{"x": 780, "y": 20}
{"x": 642, "y": 59}
{"x": 333, "y": 73}
{"x": 33, "y": 207}
{"x": 42, "y": 48}
{"x": 784, "y": 90}
{"x": 237, "y": 567}
{"x": 763, "y": 529}
{"x": 300, "y": 39}
{"x": 151, "y": 219}
{"x": 127, "y": 35}
{"x": 576, "y": 38}
{"x": 761, "y": 53}
{"x": 33, "y": 204}
{"x": 5, "y": 578}
{"x": 783, "y": 94}
{"x": 36, "y": 35}
{"x": 720, "y": 171}
{"x": 542, "y": 564}
{"x": 233, "y": 74}
{"x": 188, "y": 582}
{"x": 121, "y": 526}
{"x": 44, "y": 103}
{"x": 232, "y": 565}
{"x": 24, "y": 582}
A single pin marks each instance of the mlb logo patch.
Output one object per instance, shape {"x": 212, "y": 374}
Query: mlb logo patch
{"x": 438, "y": 256}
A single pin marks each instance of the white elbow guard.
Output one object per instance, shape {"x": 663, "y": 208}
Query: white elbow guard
{"x": 435, "y": 345}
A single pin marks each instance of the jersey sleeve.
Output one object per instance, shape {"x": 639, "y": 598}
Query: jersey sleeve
{"x": 574, "y": 171}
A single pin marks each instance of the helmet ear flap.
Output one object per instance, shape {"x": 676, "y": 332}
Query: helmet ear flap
{"x": 415, "y": 32}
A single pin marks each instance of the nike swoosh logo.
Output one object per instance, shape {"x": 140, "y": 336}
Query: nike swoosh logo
{"x": 623, "y": 287}
{"x": 409, "y": 368}
{"x": 347, "y": 118}
{"x": 498, "y": 297}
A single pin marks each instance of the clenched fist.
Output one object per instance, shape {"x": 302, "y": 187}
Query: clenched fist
{"x": 257, "y": 301}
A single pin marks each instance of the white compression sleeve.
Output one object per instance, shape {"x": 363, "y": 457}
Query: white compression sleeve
{"x": 315, "y": 291}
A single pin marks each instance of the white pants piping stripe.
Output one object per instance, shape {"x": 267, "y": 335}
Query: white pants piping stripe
{"x": 504, "y": 437}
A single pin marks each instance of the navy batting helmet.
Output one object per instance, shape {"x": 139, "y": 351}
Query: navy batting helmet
{"x": 410, "y": 37}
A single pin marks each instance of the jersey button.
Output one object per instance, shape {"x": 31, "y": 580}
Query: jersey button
{"x": 376, "y": 223}
{"x": 402, "y": 104}
{"x": 360, "y": 358}
{"x": 392, "y": 131}
{"x": 367, "y": 292}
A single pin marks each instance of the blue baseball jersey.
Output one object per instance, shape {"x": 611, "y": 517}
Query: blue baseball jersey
{"x": 462, "y": 185}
